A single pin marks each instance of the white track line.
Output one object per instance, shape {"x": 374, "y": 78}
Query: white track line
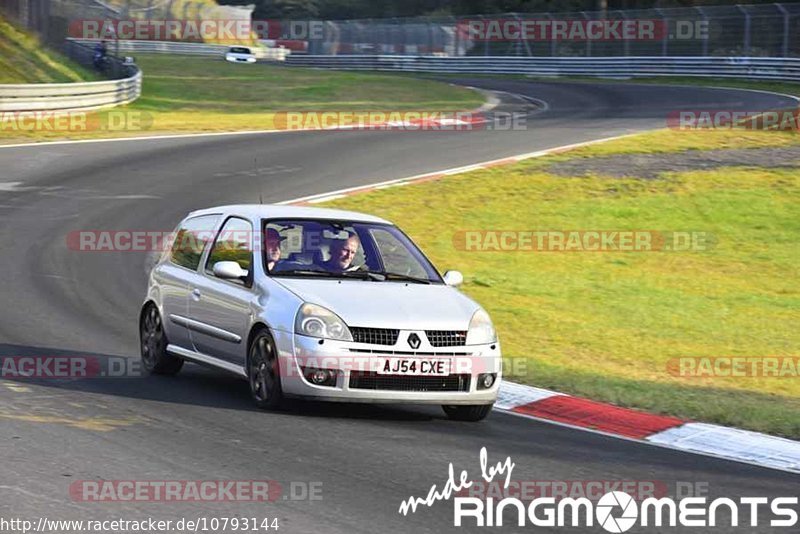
{"x": 339, "y": 193}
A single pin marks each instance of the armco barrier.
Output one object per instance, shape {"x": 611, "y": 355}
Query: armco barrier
{"x": 181, "y": 48}
{"x": 761, "y": 68}
{"x": 72, "y": 96}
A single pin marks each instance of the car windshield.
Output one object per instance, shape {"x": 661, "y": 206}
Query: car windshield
{"x": 238, "y": 50}
{"x": 344, "y": 249}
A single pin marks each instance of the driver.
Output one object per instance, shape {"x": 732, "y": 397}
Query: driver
{"x": 343, "y": 251}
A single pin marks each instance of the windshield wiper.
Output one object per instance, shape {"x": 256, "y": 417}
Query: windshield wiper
{"x": 311, "y": 272}
{"x": 363, "y": 275}
{"x": 360, "y": 275}
{"x": 405, "y": 278}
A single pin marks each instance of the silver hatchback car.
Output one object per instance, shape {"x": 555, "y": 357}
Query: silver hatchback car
{"x": 318, "y": 303}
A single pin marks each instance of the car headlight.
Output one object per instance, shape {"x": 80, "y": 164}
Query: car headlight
{"x": 315, "y": 321}
{"x": 481, "y": 331}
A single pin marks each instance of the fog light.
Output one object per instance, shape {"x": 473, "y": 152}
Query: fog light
{"x": 321, "y": 377}
{"x": 486, "y": 380}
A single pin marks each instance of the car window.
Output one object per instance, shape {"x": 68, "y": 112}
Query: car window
{"x": 191, "y": 239}
{"x": 312, "y": 243}
{"x": 397, "y": 258}
{"x": 239, "y": 50}
{"x": 344, "y": 249}
{"x": 234, "y": 243}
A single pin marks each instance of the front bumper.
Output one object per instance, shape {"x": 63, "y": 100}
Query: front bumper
{"x": 357, "y": 379}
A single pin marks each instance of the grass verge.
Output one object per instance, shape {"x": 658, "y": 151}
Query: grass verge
{"x": 190, "y": 94}
{"x": 607, "y": 325}
{"x": 23, "y": 60}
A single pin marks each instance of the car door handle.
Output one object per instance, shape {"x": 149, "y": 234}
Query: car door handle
{"x": 196, "y": 294}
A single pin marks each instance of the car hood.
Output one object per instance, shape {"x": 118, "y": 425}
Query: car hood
{"x": 388, "y": 304}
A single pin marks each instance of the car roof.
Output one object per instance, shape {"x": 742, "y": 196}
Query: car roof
{"x": 274, "y": 211}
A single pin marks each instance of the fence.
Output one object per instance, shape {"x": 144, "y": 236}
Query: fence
{"x": 730, "y": 30}
{"x": 727, "y": 30}
{"x": 780, "y": 69}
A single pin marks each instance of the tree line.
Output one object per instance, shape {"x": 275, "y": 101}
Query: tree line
{"x": 360, "y": 9}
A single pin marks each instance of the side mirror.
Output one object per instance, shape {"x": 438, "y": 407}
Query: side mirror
{"x": 453, "y": 278}
{"x": 229, "y": 270}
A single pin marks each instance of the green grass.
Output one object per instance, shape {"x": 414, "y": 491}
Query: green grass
{"x": 605, "y": 325}
{"x": 190, "y": 94}
{"x": 23, "y": 60}
{"x": 204, "y": 84}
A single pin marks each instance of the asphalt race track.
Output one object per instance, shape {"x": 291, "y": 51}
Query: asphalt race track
{"x": 200, "y": 425}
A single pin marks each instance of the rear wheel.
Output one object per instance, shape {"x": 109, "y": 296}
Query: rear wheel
{"x": 155, "y": 358}
{"x": 473, "y": 413}
{"x": 263, "y": 372}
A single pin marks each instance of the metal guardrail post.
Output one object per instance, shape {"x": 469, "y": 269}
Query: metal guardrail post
{"x": 746, "y": 28}
{"x": 554, "y": 42}
{"x": 626, "y": 44}
{"x": 588, "y": 41}
{"x": 705, "y": 36}
{"x": 785, "y": 13}
{"x": 485, "y": 44}
{"x": 522, "y": 39}
{"x": 665, "y": 39}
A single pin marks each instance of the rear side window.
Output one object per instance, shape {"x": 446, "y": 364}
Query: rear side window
{"x": 191, "y": 240}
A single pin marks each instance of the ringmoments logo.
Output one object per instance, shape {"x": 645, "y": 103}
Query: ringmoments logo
{"x": 615, "y": 511}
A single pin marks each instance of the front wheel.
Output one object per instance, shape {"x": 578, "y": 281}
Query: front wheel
{"x": 155, "y": 358}
{"x": 471, "y": 413}
{"x": 263, "y": 372}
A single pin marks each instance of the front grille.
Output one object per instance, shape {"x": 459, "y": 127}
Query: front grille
{"x": 374, "y": 336}
{"x": 374, "y": 381}
{"x": 446, "y": 338}
{"x": 390, "y": 352}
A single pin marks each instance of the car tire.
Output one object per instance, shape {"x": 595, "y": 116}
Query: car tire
{"x": 471, "y": 413}
{"x": 263, "y": 371}
{"x": 153, "y": 343}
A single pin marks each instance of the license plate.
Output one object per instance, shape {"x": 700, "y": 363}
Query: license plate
{"x": 415, "y": 367}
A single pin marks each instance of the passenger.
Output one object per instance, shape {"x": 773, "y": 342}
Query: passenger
{"x": 272, "y": 245}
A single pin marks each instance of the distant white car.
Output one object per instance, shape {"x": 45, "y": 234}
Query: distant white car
{"x": 240, "y": 54}
{"x": 318, "y": 303}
